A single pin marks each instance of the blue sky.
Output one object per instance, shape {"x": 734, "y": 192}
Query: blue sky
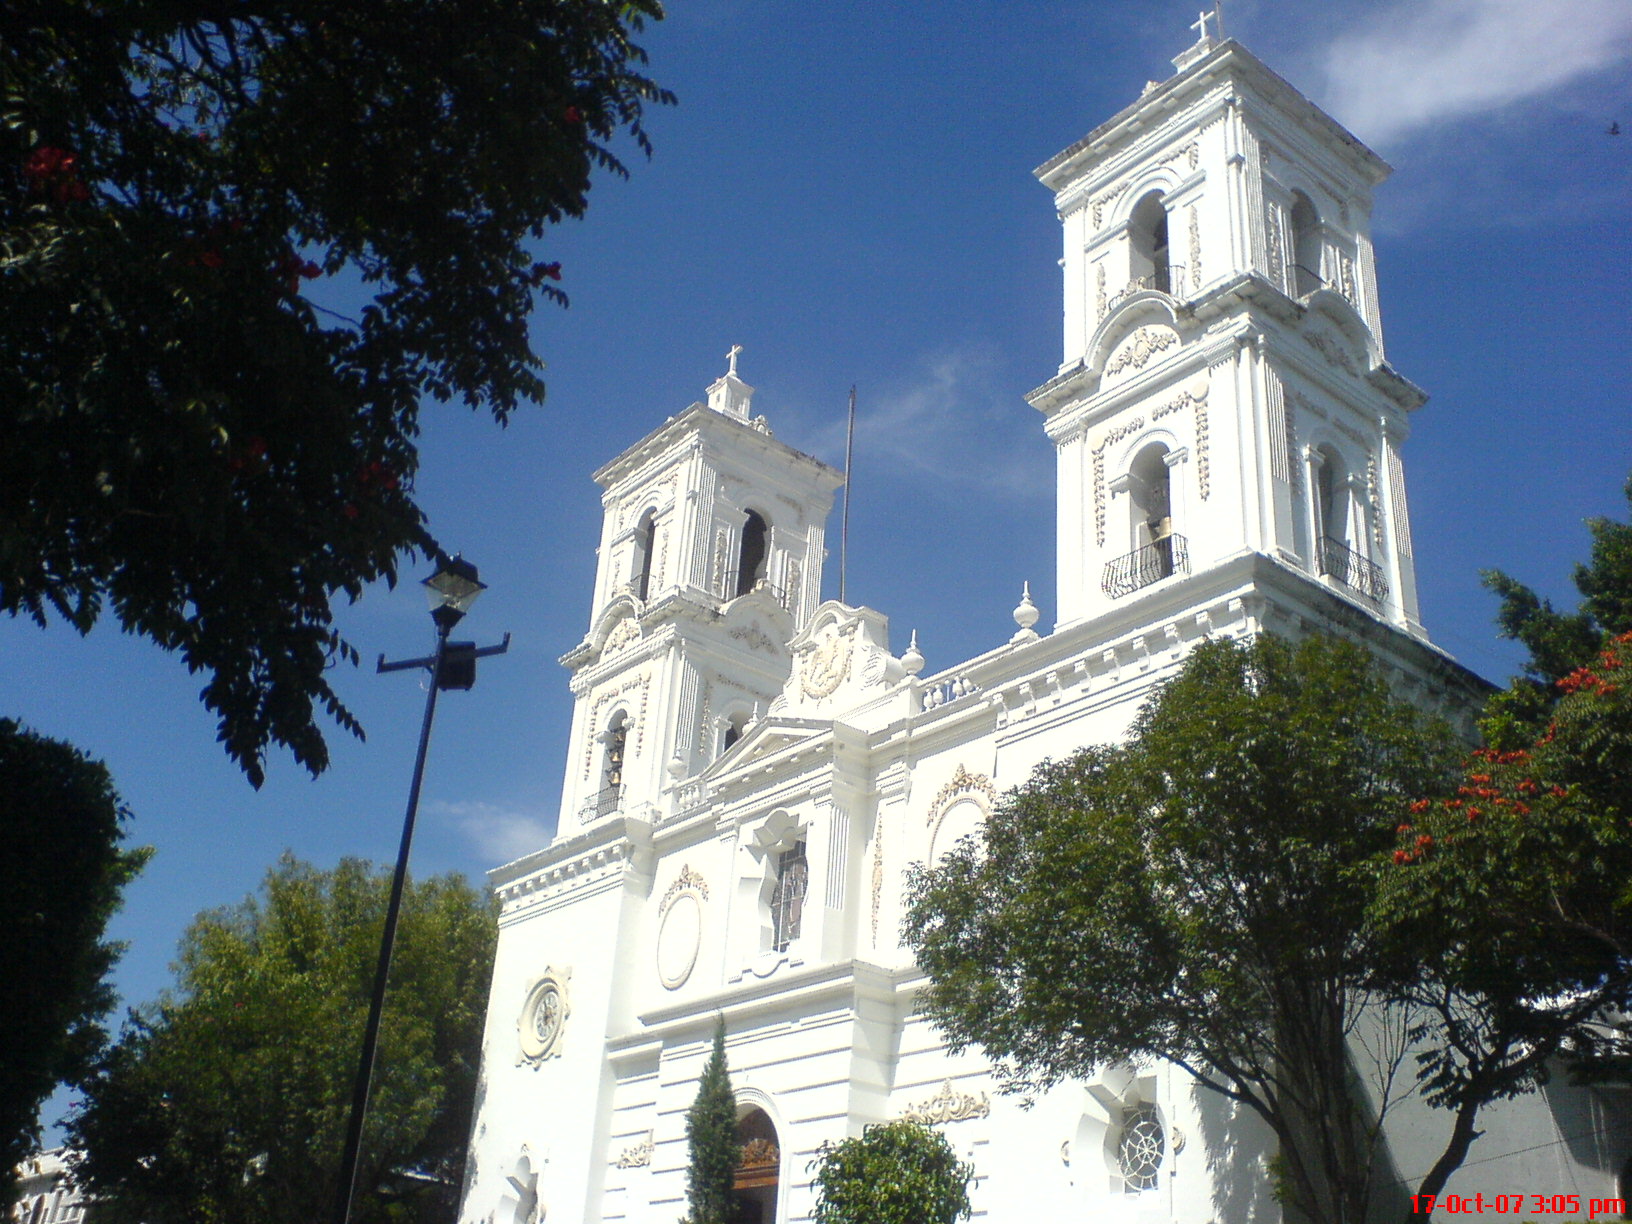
{"x": 845, "y": 190}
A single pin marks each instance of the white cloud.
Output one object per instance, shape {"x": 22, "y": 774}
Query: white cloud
{"x": 1425, "y": 62}
{"x": 951, "y": 424}
{"x": 499, "y": 834}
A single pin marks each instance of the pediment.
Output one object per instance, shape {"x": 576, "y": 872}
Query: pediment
{"x": 1141, "y": 331}
{"x": 841, "y": 654}
{"x": 617, "y": 629}
{"x": 758, "y": 622}
{"x": 765, "y": 739}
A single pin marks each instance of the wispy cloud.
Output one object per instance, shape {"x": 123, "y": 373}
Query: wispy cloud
{"x": 1422, "y": 63}
{"x": 500, "y": 834}
{"x": 950, "y": 423}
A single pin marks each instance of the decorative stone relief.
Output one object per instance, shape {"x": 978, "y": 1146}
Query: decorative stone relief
{"x": 825, "y": 667}
{"x": 1105, "y": 201}
{"x": 637, "y": 1155}
{"x": 1098, "y": 453}
{"x": 753, "y": 637}
{"x": 624, "y": 634}
{"x": 759, "y": 1154}
{"x": 1138, "y": 349}
{"x": 1195, "y": 248}
{"x": 1345, "y": 276}
{"x": 543, "y": 1016}
{"x": 962, "y": 783}
{"x": 1374, "y": 498}
{"x": 1334, "y": 352}
{"x": 1272, "y": 240}
{"x": 1192, "y": 153}
{"x": 948, "y": 1105}
{"x": 722, "y": 558}
{"x": 687, "y": 880}
{"x": 794, "y": 584}
{"x": 1099, "y": 291}
{"x": 878, "y": 872}
{"x": 637, "y": 717}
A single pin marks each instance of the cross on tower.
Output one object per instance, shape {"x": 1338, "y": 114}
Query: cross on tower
{"x": 732, "y": 358}
{"x": 1216, "y": 16}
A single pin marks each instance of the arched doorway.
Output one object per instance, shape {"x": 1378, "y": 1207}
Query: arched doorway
{"x": 759, "y": 1168}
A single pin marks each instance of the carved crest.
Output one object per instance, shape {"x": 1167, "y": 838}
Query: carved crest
{"x": 949, "y": 1105}
{"x": 1144, "y": 344}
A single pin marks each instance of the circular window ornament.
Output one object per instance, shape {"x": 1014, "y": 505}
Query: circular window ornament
{"x": 543, "y": 1016}
{"x": 1139, "y": 1154}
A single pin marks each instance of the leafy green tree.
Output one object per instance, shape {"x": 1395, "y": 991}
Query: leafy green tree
{"x": 228, "y": 1099}
{"x": 195, "y": 437}
{"x": 1560, "y": 642}
{"x": 711, "y": 1132}
{"x": 1203, "y": 895}
{"x": 60, "y": 881}
{"x": 895, "y": 1173}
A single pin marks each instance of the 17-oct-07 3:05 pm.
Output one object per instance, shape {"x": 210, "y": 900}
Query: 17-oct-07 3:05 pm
{"x": 1539, "y": 1204}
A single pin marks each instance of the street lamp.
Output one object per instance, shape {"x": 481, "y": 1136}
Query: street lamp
{"x": 451, "y": 591}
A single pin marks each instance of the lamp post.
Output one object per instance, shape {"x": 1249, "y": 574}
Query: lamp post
{"x": 451, "y": 591}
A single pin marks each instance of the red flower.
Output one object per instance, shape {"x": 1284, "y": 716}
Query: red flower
{"x": 544, "y": 271}
{"x": 1402, "y": 856}
{"x": 573, "y": 115}
{"x": 48, "y": 162}
{"x": 1421, "y": 806}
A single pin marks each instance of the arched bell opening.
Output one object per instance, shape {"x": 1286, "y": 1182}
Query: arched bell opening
{"x": 645, "y": 539}
{"x": 759, "y": 1168}
{"x": 1147, "y": 230}
{"x": 1306, "y": 277}
{"x": 1151, "y": 486}
{"x": 751, "y": 560}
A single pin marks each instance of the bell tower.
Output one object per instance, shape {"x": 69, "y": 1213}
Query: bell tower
{"x": 710, "y": 563}
{"x": 1223, "y": 390}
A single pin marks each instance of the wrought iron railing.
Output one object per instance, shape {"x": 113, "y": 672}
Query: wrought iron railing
{"x": 1306, "y": 280}
{"x": 1358, "y": 573}
{"x": 1146, "y": 565}
{"x": 602, "y": 803}
{"x": 1166, "y": 280}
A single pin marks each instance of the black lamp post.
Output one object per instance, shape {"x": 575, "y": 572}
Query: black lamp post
{"x": 451, "y": 590}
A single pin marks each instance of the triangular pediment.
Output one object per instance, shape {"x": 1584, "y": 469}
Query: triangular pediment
{"x": 765, "y": 739}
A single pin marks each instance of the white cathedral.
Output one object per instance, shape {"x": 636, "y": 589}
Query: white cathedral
{"x": 751, "y": 770}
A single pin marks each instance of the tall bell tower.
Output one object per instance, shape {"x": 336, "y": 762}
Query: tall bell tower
{"x": 710, "y": 563}
{"x": 1223, "y": 389}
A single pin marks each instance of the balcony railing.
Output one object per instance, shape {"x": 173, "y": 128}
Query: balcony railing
{"x": 1305, "y": 280}
{"x": 1164, "y": 280}
{"x": 602, "y": 803}
{"x": 1146, "y": 565}
{"x": 1358, "y": 573}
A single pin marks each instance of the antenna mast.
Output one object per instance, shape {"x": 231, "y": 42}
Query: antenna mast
{"x": 844, "y": 526}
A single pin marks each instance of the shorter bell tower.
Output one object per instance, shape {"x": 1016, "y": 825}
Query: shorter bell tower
{"x": 710, "y": 563}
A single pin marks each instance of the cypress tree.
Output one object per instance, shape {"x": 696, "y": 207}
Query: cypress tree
{"x": 711, "y": 1129}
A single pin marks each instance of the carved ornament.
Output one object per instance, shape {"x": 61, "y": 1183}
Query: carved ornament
{"x": 949, "y": 1105}
{"x": 1099, "y": 291}
{"x": 755, "y": 638}
{"x": 878, "y": 872}
{"x": 687, "y": 881}
{"x": 825, "y": 667}
{"x": 1195, "y": 249}
{"x": 637, "y": 1155}
{"x": 1146, "y": 343}
{"x": 1098, "y": 454}
{"x": 759, "y": 1154}
{"x": 962, "y": 783}
{"x": 1272, "y": 239}
{"x": 1328, "y": 348}
{"x": 625, "y": 633}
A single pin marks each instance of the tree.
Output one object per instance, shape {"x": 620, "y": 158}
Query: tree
{"x": 196, "y": 438}
{"x": 1202, "y": 895}
{"x": 895, "y": 1173}
{"x": 60, "y": 881}
{"x": 711, "y": 1132}
{"x": 1515, "y": 886}
{"x": 1560, "y": 642}
{"x": 228, "y": 1098}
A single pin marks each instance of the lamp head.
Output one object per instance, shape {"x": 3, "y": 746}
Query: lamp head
{"x": 452, "y": 589}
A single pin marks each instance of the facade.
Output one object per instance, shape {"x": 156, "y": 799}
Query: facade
{"x": 751, "y": 770}
{"x": 47, "y": 1193}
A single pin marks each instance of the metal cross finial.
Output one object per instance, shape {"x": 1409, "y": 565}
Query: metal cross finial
{"x": 732, "y": 357}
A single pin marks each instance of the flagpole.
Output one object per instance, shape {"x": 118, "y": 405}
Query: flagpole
{"x": 844, "y": 527}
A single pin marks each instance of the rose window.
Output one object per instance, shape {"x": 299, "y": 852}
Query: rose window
{"x": 1140, "y": 1152}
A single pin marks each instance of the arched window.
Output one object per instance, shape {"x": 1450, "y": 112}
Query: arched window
{"x": 1306, "y": 276}
{"x": 1140, "y": 1148}
{"x": 751, "y": 560}
{"x": 1331, "y": 497}
{"x": 1151, "y": 486}
{"x": 645, "y": 542}
{"x": 609, "y": 798}
{"x": 788, "y": 896}
{"x": 732, "y": 731}
{"x": 1147, "y": 230}
{"x": 759, "y": 1168}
